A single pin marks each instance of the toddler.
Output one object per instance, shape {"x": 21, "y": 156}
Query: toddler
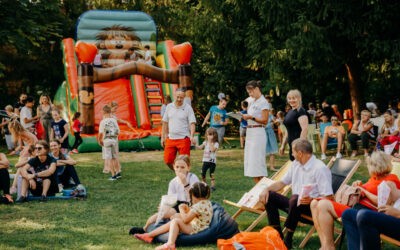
{"x": 190, "y": 220}
{"x": 59, "y": 130}
{"x": 210, "y": 146}
{"x": 76, "y": 127}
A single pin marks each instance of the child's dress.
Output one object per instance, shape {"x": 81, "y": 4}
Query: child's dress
{"x": 204, "y": 211}
{"x": 272, "y": 144}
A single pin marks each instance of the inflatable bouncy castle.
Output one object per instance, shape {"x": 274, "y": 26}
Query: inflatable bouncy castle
{"x": 116, "y": 58}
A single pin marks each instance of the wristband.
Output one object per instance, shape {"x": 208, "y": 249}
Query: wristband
{"x": 187, "y": 185}
{"x": 254, "y": 119}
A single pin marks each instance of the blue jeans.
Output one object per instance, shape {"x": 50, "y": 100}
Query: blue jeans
{"x": 364, "y": 226}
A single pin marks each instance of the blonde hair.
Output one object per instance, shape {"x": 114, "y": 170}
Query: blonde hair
{"x": 44, "y": 96}
{"x": 107, "y": 109}
{"x": 366, "y": 112}
{"x": 295, "y": 93}
{"x": 16, "y": 129}
{"x": 379, "y": 164}
{"x": 184, "y": 158}
{"x": 9, "y": 108}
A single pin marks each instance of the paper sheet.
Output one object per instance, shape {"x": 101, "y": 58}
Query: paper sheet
{"x": 383, "y": 193}
{"x": 251, "y": 198}
{"x": 236, "y": 115}
{"x": 167, "y": 202}
{"x": 306, "y": 191}
{"x": 389, "y": 148}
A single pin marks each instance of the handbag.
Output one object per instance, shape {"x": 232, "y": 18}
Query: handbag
{"x": 348, "y": 195}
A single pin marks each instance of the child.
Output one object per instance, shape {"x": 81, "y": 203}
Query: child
{"x": 243, "y": 124}
{"x": 210, "y": 146}
{"x": 107, "y": 138}
{"x": 191, "y": 220}
{"x": 179, "y": 186}
{"x": 76, "y": 127}
{"x": 59, "y": 130}
{"x": 272, "y": 144}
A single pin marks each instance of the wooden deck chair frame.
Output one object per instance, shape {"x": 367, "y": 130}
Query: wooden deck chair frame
{"x": 390, "y": 240}
{"x": 337, "y": 184}
{"x": 259, "y": 208}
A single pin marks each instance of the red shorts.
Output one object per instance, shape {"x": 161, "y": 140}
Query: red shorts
{"x": 172, "y": 146}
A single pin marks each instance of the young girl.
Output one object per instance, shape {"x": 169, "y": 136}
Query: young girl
{"x": 22, "y": 137}
{"x": 180, "y": 186}
{"x": 272, "y": 144}
{"x": 59, "y": 130}
{"x": 190, "y": 220}
{"x": 210, "y": 146}
{"x": 23, "y": 159}
{"x": 76, "y": 127}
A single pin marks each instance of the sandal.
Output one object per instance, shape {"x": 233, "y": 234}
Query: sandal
{"x": 166, "y": 247}
{"x": 144, "y": 237}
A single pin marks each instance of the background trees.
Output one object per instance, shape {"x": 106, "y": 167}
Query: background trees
{"x": 346, "y": 52}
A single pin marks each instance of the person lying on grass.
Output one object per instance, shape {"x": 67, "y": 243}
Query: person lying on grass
{"x": 190, "y": 220}
{"x": 178, "y": 186}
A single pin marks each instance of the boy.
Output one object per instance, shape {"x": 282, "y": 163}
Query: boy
{"x": 107, "y": 138}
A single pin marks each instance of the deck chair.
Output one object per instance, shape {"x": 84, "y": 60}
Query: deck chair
{"x": 390, "y": 240}
{"x": 249, "y": 201}
{"x": 342, "y": 171}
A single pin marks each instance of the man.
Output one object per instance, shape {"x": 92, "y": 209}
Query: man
{"x": 38, "y": 175}
{"x": 306, "y": 171}
{"x": 332, "y": 134}
{"x": 178, "y": 127}
{"x": 27, "y": 121}
{"x": 219, "y": 119}
{"x": 20, "y": 104}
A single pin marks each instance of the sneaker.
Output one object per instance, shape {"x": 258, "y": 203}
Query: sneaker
{"x": 21, "y": 199}
{"x": 118, "y": 175}
{"x": 13, "y": 190}
{"x": 323, "y": 157}
{"x": 75, "y": 151}
{"x": 43, "y": 198}
{"x": 338, "y": 156}
{"x": 144, "y": 237}
{"x": 60, "y": 188}
{"x": 136, "y": 230}
{"x": 112, "y": 178}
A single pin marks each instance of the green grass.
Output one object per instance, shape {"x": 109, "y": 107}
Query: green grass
{"x": 102, "y": 220}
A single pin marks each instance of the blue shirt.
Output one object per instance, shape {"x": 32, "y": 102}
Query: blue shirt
{"x": 243, "y": 122}
{"x": 218, "y": 116}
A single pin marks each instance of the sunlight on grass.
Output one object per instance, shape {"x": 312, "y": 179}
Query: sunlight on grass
{"x": 25, "y": 223}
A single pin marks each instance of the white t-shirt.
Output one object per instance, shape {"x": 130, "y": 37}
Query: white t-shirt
{"x": 176, "y": 187}
{"x": 179, "y": 120}
{"x": 147, "y": 57}
{"x": 313, "y": 172}
{"x": 109, "y": 128}
{"x": 209, "y": 156}
{"x": 26, "y": 113}
{"x": 256, "y": 107}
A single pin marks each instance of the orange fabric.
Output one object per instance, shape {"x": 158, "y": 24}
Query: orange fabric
{"x": 268, "y": 238}
{"x": 173, "y": 146}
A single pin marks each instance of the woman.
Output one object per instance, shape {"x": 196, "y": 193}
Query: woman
{"x": 296, "y": 121}
{"x": 363, "y": 227}
{"x": 324, "y": 212}
{"x": 362, "y": 129}
{"x": 65, "y": 166}
{"x": 22, "y": 137}
{"x": 390, "y": 131}
{"x": 44, "y": 112}
{"x": 256, "y": 138}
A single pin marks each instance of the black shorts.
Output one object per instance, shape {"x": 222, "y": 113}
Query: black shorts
{"x": 53, "y": 189}
{"x": 206, "y": 166}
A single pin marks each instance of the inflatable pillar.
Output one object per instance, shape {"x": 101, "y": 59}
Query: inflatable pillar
{"x": 86, "y": 97}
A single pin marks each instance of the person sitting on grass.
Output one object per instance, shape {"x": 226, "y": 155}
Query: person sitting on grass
{"x": 190, "y": 220}
{"x": 43, "y": 174}
{"x": 22, "y": 160}
{"x": 5, "y": 180}
{"x": 22, "y": 137}
{"x": 333, "y": 134}
{"x": 179, "y": 186}
{"x": 65, "y": 166}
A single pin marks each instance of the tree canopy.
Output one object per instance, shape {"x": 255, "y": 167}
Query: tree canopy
{"x": 344, "y": 51}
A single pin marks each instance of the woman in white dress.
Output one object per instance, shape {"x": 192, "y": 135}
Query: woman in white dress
{"x": 257, "y": 118}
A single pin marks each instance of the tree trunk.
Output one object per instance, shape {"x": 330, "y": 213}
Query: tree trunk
{"x": 353, "y": 89}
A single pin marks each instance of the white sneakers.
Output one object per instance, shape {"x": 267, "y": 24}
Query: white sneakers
{"x": 338, "y": 156}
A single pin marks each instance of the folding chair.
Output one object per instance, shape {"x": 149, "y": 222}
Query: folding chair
{"x": 249, "y": 201}
{"x": 342, "y": 171}
{"x": 390, "y": 240}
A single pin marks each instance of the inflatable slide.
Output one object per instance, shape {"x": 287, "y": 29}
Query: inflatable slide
{"x": 107, "y": 63}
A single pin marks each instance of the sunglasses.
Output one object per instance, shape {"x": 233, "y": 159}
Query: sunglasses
{"x": 38, "y": 148}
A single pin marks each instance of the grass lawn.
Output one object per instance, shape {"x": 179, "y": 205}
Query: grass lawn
{"x": 102, "y": 220}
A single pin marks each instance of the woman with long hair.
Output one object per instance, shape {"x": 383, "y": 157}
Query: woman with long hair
{"x": 43, "y": 111}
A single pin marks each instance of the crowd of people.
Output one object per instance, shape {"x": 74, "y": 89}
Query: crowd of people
{"x": 45, "y": 165}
